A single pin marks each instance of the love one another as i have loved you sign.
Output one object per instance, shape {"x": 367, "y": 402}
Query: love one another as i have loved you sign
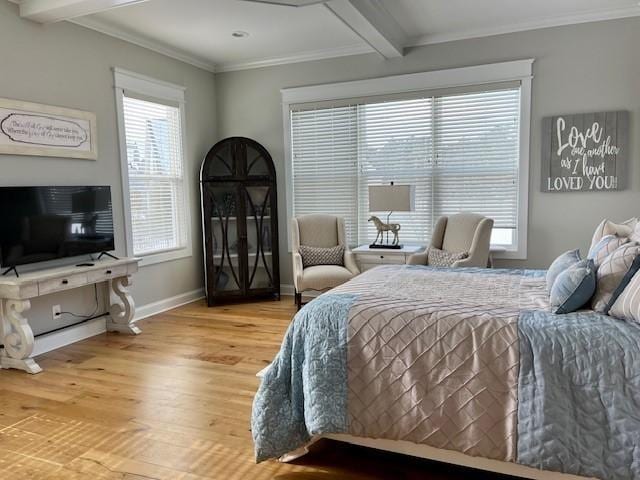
{"x": 43, "y": 130}
{"x": 585, "y": 152}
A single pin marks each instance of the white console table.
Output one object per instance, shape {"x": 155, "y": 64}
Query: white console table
{"x": 16, "y": 294}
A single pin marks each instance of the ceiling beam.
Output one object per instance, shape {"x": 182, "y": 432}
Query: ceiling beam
{"x": 373, "y": 23}
{"x": 50, "y": 11}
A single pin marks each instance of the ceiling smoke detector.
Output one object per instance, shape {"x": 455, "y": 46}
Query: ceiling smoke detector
{"x": 289, "y": 3}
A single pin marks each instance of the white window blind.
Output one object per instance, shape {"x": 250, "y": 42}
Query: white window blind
{"x": 476, "y": 156}
{"x": 156, "y": 175}
{"x": 461, "y": 153}
{"x": 325, "y": 163}
{"x": 395, "y": 145}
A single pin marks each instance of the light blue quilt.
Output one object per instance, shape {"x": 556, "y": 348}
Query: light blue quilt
{"x": 579, "y": 394}
{"x": 578, "y": 388}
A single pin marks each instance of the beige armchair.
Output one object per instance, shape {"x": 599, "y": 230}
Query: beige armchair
{"x": 463, "y": 232}
{"x": 319, "y": 230}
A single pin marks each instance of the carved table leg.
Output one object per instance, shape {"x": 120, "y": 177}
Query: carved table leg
{"x": 17, "y": 337}
{"x": 122, "y": 313}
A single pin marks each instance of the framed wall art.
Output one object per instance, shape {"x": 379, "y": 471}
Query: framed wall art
{"x": 585, "y": 152}
{"x": 42, "y": 130}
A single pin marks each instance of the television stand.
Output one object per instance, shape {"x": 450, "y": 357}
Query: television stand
{"x": 11, "y": 269}
{"x": 16, "y": 294}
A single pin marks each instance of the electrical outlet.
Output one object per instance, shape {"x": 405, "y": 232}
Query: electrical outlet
{"x": 57, "y": 311}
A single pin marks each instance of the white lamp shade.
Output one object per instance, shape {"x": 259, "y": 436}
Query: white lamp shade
{"x": 391, "y": 198}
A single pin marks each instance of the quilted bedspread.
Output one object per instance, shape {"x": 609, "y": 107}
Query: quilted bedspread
{"x": 469, "y": 360}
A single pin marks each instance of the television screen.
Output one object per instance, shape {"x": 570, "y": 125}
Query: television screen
{"x": 46, "y": 223}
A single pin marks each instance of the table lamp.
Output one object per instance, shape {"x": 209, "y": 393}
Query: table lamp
{"x": 389, "y": 198}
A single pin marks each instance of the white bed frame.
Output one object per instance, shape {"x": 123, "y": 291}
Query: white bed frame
{"x": 431, "y": 453}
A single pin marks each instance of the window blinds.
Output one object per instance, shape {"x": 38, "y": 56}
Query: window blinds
{"x": 156, "y": 182}
{"x": 476, "y": 155}
{"x": 461, "y": 152}
{"x": 325, "y": 163}
{"x": 395, "y": 145}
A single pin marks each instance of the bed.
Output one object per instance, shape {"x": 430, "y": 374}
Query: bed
{"x": 466, "y": 366}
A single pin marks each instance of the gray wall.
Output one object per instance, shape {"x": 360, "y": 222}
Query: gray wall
{"x": 70, "y": 66}
{"x": 580, "y": 68}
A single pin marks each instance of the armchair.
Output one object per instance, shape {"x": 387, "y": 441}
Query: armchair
{"x": 463, "y": 232}
{"x": 319, "y": 230}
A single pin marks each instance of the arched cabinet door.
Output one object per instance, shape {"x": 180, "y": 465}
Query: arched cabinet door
{"x": 240, "y": 221}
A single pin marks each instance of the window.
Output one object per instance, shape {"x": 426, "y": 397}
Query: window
{"x": 460, "y": 148}
{"x": 152, "y": 136}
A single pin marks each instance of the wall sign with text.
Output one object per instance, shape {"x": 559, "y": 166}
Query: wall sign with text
{"x": 585, "y": 152}
{"x": 42, "y": 130}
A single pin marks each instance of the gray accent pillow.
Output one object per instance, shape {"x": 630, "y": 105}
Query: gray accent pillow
{"x": 574, "y": 287}
{"x": 312, "y": 256}
{"x": 442, "y": 258}
{"x": 611, "y": 274}
{"x": 560, "y": 264}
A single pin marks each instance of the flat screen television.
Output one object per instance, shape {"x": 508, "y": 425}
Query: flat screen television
{"x": 46, "y": 223}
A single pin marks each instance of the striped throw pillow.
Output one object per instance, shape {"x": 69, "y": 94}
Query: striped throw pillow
{"x": 312, "y": 256}
{"x": 611, "y": 274}
{"x": 627, "y": 305}
{"x": 605, "y": 247}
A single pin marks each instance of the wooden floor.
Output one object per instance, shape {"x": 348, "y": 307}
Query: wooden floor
{"x": 173, "y": 403}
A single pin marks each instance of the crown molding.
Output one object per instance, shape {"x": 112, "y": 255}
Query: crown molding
{"x": 108, "y": 29}
{"x": 297, "y": 58}
{"x": 588, "y": 17}
{"x": 359, "y": 49}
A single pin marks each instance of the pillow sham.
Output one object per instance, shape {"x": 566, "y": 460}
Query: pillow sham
{"x": 560, "y": 264}
{"x": 312, "y": 256}
{"x": 607, "y": 227}
{"x": 611, "y": 273}
{"x": 443, "y": 258}
{"x": 605, "y": 247}
{"x": 627, "y": 305}
{"x": 574, "y": 287}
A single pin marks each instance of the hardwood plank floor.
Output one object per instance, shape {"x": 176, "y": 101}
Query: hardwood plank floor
{"x": 172, "y": 403}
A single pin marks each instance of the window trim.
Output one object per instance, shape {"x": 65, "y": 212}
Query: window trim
{"x": 150, "y": 87}
{"x": 519, "y": 70}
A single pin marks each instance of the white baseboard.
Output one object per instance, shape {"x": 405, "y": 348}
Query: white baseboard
{"x": 168, "y": 303}
{"x": 61, "y": 338}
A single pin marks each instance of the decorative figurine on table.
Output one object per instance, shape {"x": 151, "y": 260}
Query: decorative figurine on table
{"x": 382, "y": 228}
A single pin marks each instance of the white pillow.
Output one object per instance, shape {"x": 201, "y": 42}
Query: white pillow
{"x": 624, "y": 229}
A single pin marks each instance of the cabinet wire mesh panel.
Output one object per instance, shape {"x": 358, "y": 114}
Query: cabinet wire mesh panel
{"x": 240, "y": 222}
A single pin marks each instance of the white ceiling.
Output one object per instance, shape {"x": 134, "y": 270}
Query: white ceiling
{"x": 199, "y": 31}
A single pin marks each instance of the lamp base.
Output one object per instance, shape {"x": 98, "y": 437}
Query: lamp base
{"x": 390, "y": 247}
